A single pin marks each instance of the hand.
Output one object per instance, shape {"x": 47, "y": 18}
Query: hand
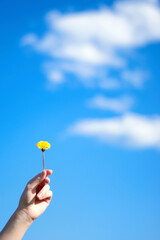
{"x": 34, "y": 201}
{"x": 36, "y": 196}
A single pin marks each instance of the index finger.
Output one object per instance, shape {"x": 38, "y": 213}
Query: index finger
{"x": 34, "y": 182}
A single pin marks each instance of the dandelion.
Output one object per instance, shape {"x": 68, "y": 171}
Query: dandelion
{"x": 43, "y": 146}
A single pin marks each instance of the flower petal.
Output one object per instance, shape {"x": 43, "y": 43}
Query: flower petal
{"x": 43, "y": 145}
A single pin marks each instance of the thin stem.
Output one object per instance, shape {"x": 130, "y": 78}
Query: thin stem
{"x": 43, "y": 161}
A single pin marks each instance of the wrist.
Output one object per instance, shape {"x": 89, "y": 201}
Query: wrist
{"x": 17, "y": 225}
{"x": 23, "y": 217}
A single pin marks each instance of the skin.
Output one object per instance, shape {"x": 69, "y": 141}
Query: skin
{"x": 33, "y": 202}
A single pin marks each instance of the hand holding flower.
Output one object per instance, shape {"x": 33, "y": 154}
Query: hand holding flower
{"x": 34, "y": 201}
{"x": 37, "y": 195}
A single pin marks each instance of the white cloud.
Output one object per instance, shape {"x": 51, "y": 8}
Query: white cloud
{"x": 97, "y": 38}
{"x": 131, "y": 130}
{"x": 89, "y": 45}
{"x": 125, "y": 24}
{"x": 109, "y": 83}
{"x": 136, "y": 78}
{"x": 89, "y": 75}
{"x": 29, "y": 39}
{"x": 146, "y": 1}
{"x": 84, "y": 71}
{"x": 55, "y": 76}
{"x": 86, "y": 53}
{"x": 117, "y": 105}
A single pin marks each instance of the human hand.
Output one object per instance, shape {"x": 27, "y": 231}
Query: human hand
{"x": 36, "y": 196}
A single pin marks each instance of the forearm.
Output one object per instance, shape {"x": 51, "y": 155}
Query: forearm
{"x": 16, "y": 226}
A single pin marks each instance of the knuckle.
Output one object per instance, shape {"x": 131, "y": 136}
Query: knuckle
{"x": 28, "y": 187}
{"x": 39, "y": 179}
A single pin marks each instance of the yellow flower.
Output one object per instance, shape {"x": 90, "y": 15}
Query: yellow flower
{"x": 43, "y": 145}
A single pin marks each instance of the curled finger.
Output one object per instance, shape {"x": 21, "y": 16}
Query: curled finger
{"x": 47, "y": 195}
{"x": 43, "y": 191}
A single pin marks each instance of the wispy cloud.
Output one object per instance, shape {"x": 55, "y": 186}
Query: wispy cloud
{"x": 88, "y": 43}
{"x": 92, "y": 48}
{"x": 117, "y": 105}
{"x": 130, "y": 130}
{"x": 135, "y": 78}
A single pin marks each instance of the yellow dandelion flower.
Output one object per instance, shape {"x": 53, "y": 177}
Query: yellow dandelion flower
{"x": 43, "y": 145}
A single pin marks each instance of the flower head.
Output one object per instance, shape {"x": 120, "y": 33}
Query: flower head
{"x": 43, "y": 145}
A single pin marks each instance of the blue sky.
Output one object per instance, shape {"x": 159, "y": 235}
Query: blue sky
{"x": 85, "y": 77}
